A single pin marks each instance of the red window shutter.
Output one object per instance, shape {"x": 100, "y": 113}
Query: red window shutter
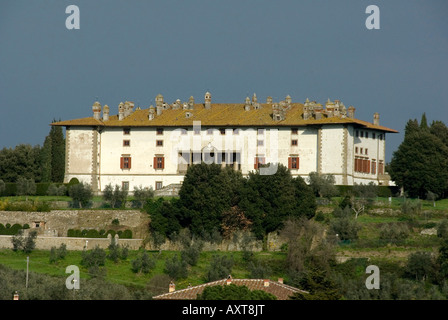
{"x": 129, "y": 163}
{"x": 256, "y": 163}
{"x": 368, "y": 166}
{"x": 289, "y": 163}
{"x": 155, "y": 162}
{"x": 298, "y": 160}
{"x": 121, "y": 162}
{"x": 163, "y": 162}
{"x": 356, "y": 165}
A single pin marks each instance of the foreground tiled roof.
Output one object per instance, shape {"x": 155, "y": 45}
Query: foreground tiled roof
{"x": 220, "y": 114}
{"x": 280, "y": 290}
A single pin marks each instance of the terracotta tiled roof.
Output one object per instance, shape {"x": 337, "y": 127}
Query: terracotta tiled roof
{"x": 219, "y": 115}
{"x": 280, "y": 290}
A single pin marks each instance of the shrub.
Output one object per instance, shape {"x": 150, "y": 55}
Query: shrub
{"x": 190, "y": 254}
{"x": 345, "y": 227}
{"x": 81, "y": 194}
{"x": 25, "y": 187}
{"x": 393, "y": 232}
{"x": 176, "y": 268}
{"x": 93, "y": 258}
{"x": 143, "y": 263}
{"x": 115, "y": 196}
{"x": 2, "y": 187}
{"x": 126, "y": 234}
{"x": 27, "y": 244}
{"x": 115, "y": 222}
{"x": 442, "y": 229}
{"x": 319, "y": 216}
{"x": 220, "y": 268}
{"x": 259, "y": 270}
{"x": 58, "y": 253}
{"x": 142, "y": 195}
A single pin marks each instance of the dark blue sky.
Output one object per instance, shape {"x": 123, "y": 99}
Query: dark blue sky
{"x": 133, "y": 50}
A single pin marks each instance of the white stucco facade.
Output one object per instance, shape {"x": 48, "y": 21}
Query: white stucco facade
{"x": 93, "y": 154}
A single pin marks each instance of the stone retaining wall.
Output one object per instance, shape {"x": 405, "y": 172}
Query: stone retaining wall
{"x": 46, "y": 243}
{"x": 58, "y": 222}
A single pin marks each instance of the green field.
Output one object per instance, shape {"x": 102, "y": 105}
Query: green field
{"x": 121, "y": 272}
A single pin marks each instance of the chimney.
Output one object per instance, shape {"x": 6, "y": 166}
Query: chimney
{"x": 266, "y": 282}
{"x": 247, "y": 104}
{"x": 288, "y": 99}
{"x": 351, "y": 112}
{"x": 191, "y": 103}
{"x": 376, "y": 119}
{"x": 280, "y": 280}
{"x": 254, "y": 98}
{"x": 151, "y": 112}
{"x": 121, "y": 111}
{"x": 229, "y": 280}
{"x": 96, "y": 108}
{"x": 106, "y": 113}
{"x": 208, "y": 100}
{"x": 159, "y": 100}
{"x": 172, "y": 287}
{"x": 269, "y": 100}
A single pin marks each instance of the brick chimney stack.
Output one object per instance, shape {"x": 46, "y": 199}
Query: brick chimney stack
{"x": 266, "y": 282}
{"x": 376, "y": 119}
{"x": 172, "y": 287}
{"x": 229, "y": 280}
{"x": 208, "y": 100}
{"x": 280, "y": 280}
{"x": 96, "y": 108}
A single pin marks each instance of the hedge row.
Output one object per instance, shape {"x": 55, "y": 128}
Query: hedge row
{"x": 92, "y": 233}
{"x": 41, "y": 189}
{"x": 383, "y": 191}
{"x": 12, "y": 230}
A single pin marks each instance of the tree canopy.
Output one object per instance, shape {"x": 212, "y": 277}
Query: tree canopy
{"x": 420, "y": 164}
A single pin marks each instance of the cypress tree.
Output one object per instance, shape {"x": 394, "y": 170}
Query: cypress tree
{"x": 46, "y": 160}
{"x": 421, "y": 162}
{"x": 57, "y": 154}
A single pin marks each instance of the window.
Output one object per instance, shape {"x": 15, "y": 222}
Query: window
{"x": 361, "y": 150}
{"x": 380, "y": 137}
{"x": 197, "y": 131}
{"x": 259, "y": 161}
{"x": 373, "y": 135}
{"x": 294, "y": 131}
{"x": 125, "y": 185}
{"x": 356, "y": 149}
{"x": 367, "y": 151}
{"x": 209, "y": 131}
{"x": 126, "y": 131}
{"x": 159, "y": 185}
{"x": 126, "y": 143}
{"x": 362, "y": 165}
{"x": 357, "y": 133}
{"x": 159, "y": 131}
{"x": 159, "y": 143}
{"x": 260, "y": 132}
{"x": 373, "y": 169}
{"x": 159, "y": 162}
{"x": 293, "y": 162}
{"x": 381, "y": 167}
{"x": 294, "y": 142}
{"x": 367, "y": 134}
{"x": 125, "y": 162}
{"x": 184, "y": 131}
{"x": 362, "y": 134}
{"x": 236, "y": 131}
{"x": 260, "y": 142}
